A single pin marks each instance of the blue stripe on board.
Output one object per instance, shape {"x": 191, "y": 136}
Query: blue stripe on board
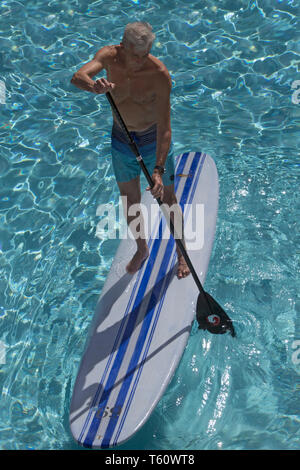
{"x": 143, "y": 360}
{"x": 121, "y": 352}
{"x": 148, "y": 318}
{"x": 196, "y": 179}
{"x": 179, "y": 168}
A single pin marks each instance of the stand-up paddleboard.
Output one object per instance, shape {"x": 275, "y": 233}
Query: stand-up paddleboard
{"x": 143, "y": 321}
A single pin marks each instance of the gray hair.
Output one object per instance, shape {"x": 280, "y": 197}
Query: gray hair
{"x": 139, "y": 34}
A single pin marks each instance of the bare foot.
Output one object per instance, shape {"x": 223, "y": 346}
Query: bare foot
{"x": 134, "y": 265}
{"x": 183, "y": 270}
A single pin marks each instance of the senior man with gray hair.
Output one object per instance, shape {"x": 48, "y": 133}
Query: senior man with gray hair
{"x": 140, "y": 85}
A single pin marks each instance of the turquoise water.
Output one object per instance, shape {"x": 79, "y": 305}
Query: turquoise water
{"x": 234, "y": 64}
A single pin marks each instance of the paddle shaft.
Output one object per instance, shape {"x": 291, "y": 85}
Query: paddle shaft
{"x": 139, "y": 158}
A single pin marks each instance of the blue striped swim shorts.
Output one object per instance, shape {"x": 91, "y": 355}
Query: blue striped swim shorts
{"x": 124, "y": 161}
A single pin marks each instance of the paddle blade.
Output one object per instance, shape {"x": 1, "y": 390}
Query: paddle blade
{"x": 215, "y": 321}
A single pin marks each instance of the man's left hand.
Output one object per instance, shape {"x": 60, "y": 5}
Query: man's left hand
{"x": 158, "y": 189}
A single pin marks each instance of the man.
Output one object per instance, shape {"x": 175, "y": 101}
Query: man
{"x": 140, "y": 85}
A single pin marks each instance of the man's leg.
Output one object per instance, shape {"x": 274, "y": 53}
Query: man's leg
{"x": 170, "y": 199}
{"x": 132, "y": 192}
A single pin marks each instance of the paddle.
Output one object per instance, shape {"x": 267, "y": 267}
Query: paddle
{"x": 209, "y": 313}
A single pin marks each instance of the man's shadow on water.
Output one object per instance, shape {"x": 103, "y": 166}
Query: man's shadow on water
{"x": 101, "y": 345}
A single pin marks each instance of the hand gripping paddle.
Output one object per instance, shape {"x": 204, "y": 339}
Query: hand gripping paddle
{"x": 209, "y": 313}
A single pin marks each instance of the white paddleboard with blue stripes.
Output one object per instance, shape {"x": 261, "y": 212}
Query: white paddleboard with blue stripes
{"x": 143, "y": 321}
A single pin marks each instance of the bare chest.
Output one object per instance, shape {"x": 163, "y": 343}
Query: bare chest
{"x": 139, "y": 89}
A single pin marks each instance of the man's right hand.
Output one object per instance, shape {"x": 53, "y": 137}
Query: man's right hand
{"x": 103, "y": 86}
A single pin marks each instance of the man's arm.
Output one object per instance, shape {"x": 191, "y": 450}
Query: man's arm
{"x": 83, "y": 77}
{"x": 163, "y": 118}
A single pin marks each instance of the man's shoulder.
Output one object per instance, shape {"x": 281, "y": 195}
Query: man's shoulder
{"x": 106, "y": 53}
{"x": 161, "y": 72}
